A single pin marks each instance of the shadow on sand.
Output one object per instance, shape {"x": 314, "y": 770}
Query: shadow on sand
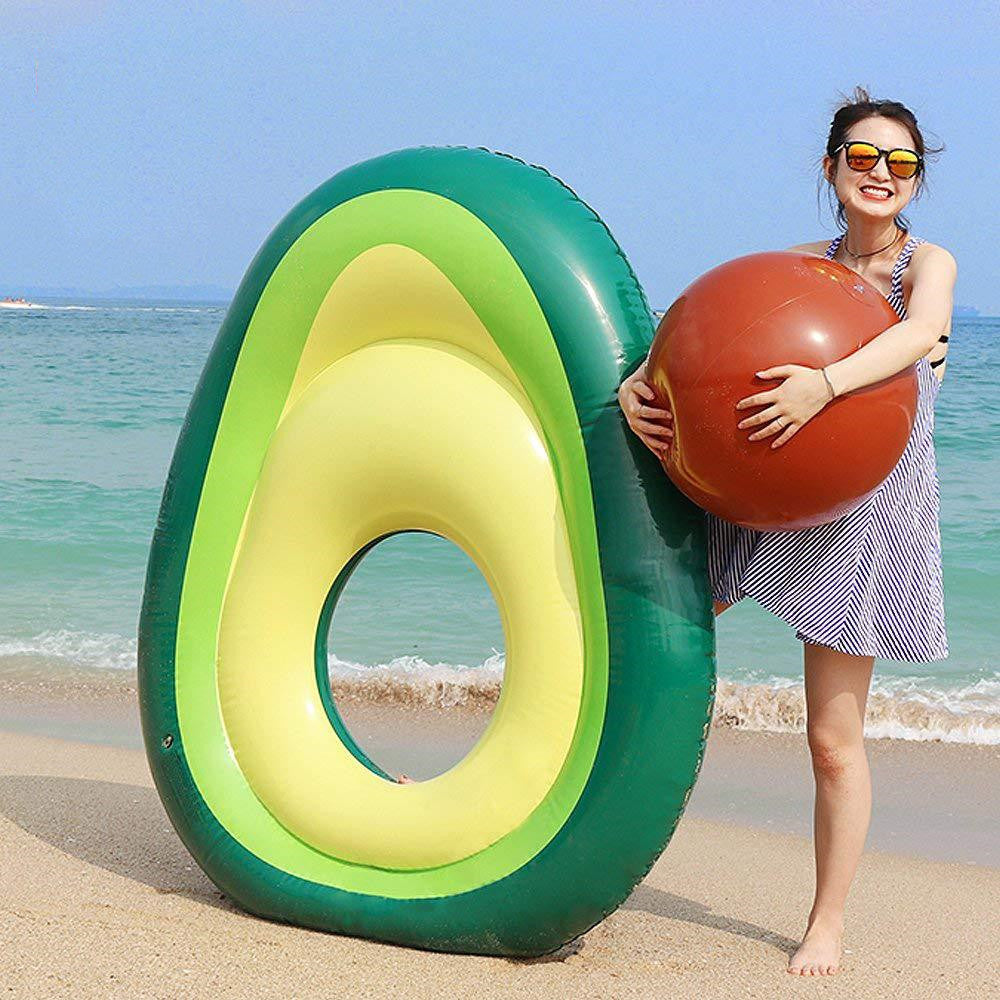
{"x": 123, "y": 829}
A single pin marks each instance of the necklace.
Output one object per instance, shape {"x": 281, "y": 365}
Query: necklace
{"x": 874, "y": 253}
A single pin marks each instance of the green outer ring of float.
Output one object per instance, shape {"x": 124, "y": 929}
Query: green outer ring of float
{"x": 662, "y": 646}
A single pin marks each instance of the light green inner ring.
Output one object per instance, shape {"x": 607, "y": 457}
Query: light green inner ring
{"x": 484, "y": 272}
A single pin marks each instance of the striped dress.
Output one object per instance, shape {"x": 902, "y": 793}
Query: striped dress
{"x": 869, "y": 583}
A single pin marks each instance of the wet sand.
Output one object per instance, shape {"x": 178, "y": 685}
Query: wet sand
{"x": 935, "y": 800}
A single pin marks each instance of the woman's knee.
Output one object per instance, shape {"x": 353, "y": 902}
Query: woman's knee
{"x": 834, "y": 752}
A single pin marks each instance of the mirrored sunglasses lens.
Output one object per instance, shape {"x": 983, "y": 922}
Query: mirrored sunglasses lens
{"x": 903, "y": 164}
{"x": 861, "y": 156}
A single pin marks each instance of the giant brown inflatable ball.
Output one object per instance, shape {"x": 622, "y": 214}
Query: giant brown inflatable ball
{"x": 754, "y": 313}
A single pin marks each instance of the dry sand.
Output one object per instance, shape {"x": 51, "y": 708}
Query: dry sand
{"x": 98, "y": 898}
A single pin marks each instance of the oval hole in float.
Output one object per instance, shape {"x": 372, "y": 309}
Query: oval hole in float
{"x": 413, "y": 646}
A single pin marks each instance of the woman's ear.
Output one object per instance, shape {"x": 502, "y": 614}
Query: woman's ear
{"x": 828, "y": 168}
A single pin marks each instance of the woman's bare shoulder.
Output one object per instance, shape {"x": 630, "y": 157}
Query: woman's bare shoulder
{"x": 933, "y": 262}
{"x": 819, "y": 247}
{"x": 927, "y": 250}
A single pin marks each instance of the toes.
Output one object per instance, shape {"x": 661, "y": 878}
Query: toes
{"x": 812, "y": 969}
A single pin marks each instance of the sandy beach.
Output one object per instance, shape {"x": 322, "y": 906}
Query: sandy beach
{"x": 100, "y": 899}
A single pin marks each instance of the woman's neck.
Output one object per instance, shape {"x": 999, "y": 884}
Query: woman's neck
{"x": 866, "y": 236}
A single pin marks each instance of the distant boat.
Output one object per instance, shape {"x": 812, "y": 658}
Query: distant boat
{"x": 9, "y": 302}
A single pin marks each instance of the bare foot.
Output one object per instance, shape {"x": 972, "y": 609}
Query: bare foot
{"x": 820, "y": 951}
{"x": 404, "y": 780}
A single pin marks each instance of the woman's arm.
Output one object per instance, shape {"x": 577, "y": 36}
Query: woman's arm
{"x": 928, "y": 313}
{"x": 804, "y": 391}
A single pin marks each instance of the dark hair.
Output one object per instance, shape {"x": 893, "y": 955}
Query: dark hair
{"x": 856, "y": 109}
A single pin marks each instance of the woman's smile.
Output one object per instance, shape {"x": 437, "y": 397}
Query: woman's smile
{"x": 873, "y": 192}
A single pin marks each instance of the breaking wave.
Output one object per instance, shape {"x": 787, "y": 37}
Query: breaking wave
{"x": 904, "y": 708}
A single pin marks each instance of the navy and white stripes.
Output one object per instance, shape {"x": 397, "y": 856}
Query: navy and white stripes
{"x": 869, "y": 583}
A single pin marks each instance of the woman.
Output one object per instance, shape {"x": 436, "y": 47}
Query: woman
{"x": 869, "y": 584}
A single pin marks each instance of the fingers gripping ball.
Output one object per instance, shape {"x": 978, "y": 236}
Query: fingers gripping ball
{"x": 752, "y": 314}
{"x": 497, "y": 321}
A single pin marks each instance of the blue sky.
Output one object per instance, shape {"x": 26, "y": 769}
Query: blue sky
{"x": 145, "y": 144}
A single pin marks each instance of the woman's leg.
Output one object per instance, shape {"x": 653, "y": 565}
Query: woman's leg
{"x": 836, "y": 693}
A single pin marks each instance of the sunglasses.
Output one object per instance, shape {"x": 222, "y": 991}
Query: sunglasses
{"x": 902, "y": 163}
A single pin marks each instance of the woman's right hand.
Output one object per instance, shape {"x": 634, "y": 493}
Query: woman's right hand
{"x": 653, "y": 426}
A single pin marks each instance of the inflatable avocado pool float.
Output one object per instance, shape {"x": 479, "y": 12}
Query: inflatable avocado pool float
{"x": 422, "y": 324}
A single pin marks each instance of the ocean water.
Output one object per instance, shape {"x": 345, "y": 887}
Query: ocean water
{"x": 93, "y": 396}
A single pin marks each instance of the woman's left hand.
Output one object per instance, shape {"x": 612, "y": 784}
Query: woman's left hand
{"x": 801, "y": 395}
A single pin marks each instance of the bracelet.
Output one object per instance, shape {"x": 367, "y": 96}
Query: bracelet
{"x": 828, "y": 383}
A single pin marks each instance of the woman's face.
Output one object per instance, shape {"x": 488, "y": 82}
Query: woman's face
{"x": 873, "y": 193}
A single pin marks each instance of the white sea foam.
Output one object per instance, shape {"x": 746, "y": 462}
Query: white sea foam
{"x": 413, "y": 681}
{"x": 905, "y": 708}
{"x": 32, "y": 306}
{"x": 897, "y": 708}
{"x": 42, "y": 305}
{"x": 80, "y": 650}
{"x": 164, "y": 309}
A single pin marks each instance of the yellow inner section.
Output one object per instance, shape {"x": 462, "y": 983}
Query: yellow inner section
{"x": 403, "y": 415}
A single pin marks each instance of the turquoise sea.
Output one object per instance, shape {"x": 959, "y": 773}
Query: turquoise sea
{"x": 93, "y": 396}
